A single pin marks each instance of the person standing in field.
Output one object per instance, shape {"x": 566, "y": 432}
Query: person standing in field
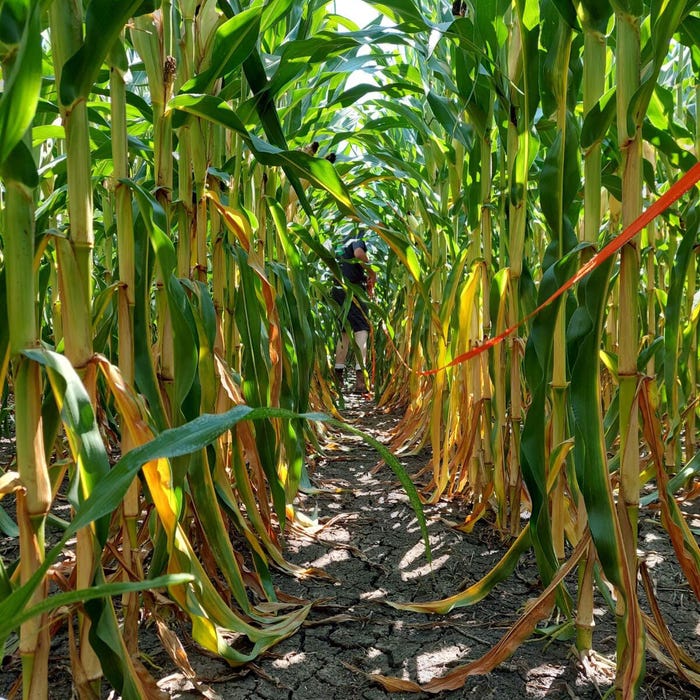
{"x": 355, "y": 267}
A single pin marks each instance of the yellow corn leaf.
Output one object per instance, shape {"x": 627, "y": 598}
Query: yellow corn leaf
{"x": 259, "y": 515}
{"x": 478, "y": 511}
{"x": 481, "y": 588}
{"x": 210, "y": 615}
{"x": 656, "y": 651}
{"x": 257, "y": 509}
{"x": 4, "y": 365}
{"x": 516, "y": 635}
{"x": 235, "y": 221}
{"x": 239, "y": 225}
{"x": 157, "y": 472}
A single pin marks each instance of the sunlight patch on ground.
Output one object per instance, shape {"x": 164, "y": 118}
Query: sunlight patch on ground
{"x": 652, "y": 559}
{"x": 336, "y": 534}
{"x": 290, "y": 659}
{"x": 379, "y": 594}
{"x": 541, "y": 678}
{"x": 416, "y": 555}
{"x": 426, "y": 569}
{"x": 332, "y": 557}
{"x": 431, "y": 664}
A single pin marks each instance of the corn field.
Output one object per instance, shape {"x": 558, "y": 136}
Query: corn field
{"x": 175, "y": 174}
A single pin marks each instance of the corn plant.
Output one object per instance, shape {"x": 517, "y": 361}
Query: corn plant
{"x": 168, "y": 210}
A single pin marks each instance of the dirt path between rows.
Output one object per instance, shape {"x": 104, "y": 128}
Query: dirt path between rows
{"x": 370, "y": 546}
{"x": 372, "y": 549}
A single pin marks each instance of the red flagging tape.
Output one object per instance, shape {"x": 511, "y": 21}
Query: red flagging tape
{"x": 660, "y": 205}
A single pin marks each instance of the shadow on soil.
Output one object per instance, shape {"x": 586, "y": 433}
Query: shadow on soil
{"x": 370, "y": 546}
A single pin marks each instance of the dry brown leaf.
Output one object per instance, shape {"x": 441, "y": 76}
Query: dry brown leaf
{"x": 680, "y": 661}
{"x": 147, "y": 684}
{"x": 681, "y": 537}
{"x": 511, "y": 640}
{"x": 334, "y": 619}
{"x": 393, "y": 685}
{"x": 172, "y": 644}
{"x": 82, "y": 685}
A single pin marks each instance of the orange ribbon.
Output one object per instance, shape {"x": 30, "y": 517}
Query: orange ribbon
{"x": 659, "y": 206}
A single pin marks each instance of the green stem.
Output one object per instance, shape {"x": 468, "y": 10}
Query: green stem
{"x": 33, "y": 505}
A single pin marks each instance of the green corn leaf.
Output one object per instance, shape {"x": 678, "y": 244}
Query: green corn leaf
{"x": 665, "y": 20}
{"x": 203, "y": 315}
{"x": 596, "y": 14}
{"x": 568, "y": 12}
{"x": 538, "y": 368}
{"x": 145, "y": 373}
{"x": 106, "y": 637}
{"x": 184, "y": 326}
{"x": 257, "y": 370}
{"x": 146, "y": 7}
{"x": 441, "y": 108}
{"x": 20, "y": 166}
{"x": 679, "y": 481}
{"x": 361, "y": 90}
{"x": 556, "y": 36}
{"x": 103, "y": 590}
{"x": 295, "y": 314}
{"x": 299, "y": 305}
{"x": 273, "y": 12}
{"x": 316, "y": 170}
{"x": 256, "y": 78}
{"x": 104, "y": 21}
{"x": 583, "y": 339}
{"x": 297, "y": 57}
{"x": 665, "y": 143}
{"x": 674, "y": 310}
{"x": 22, "y": 81}
{"x": 402, "y": 247}
{"x": 213, "y": 526}
{"x": 486, "y": 16}
{"x": 398, "y": 10}
{"x": 598, "y": 121}
{"x": 233, "y": 43}
{"x": 81, "y": 430}
{"x": 558, "y": 189}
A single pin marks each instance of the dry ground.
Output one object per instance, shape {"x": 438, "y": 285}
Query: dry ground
{"x": 371, "y": 547}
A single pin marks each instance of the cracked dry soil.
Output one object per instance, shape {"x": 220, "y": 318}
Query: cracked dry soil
{"x": 370, "y": 546}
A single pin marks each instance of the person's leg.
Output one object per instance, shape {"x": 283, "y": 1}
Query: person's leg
{"x": 359, "y": 323}
{"x": 361, "y": 342}
{"x": 341, "y": 351}
{"x": 361, "y": 338}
